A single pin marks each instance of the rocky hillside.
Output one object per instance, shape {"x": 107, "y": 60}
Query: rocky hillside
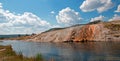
{"x": 94, "y": 31}
{"x": 102, "y": 31}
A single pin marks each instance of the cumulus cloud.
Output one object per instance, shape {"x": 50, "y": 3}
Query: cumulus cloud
{"x": 99, "y": 5}
{"x": 27, "y": 19}
{"x": 68, "y": 16}
{"x": 115, "y": 18}
{"x": 97, "y": 18}
{"x": 20, "y": 23}
{"x": 52, "y": 12}
{"x": 118, "y": 9}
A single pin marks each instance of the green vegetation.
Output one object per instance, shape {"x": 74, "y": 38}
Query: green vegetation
{"x": 38, "y": 57}
{"x": 13, "y": 36}
{"x": 76, "y": 25}
{"x": 95, "y": 22}
{"x": 7, "y": 54}
{"x": 20, "y": 38}
{"x": 17, "y": 38}
{"x": 117, "y": 35}
{"x": 53, "y": 29}
{"x": 115, "y": 26}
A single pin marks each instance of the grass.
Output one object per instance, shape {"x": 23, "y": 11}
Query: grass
{"x": 53, "y": 29}
{"x": 38, "y": 57}
{"x": 117, "y": 35}
{"x": 7, "y": 54}
{"x": 95, "y": 22}
{"x": 111, "y": 26}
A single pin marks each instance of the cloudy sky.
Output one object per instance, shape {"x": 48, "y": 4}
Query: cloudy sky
{"x": 35, "y": 16}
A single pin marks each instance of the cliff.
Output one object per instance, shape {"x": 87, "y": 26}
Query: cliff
{"x": 102, "y": 31}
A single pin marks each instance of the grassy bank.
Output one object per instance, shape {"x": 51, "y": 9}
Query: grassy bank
{"x": 114, "y": 25}
{"x": 7, "y": 54}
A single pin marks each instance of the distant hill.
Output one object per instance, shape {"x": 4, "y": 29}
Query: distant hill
{"x": 12, "y": 36}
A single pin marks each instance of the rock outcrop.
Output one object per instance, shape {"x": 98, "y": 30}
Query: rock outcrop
{"x": 108, "y": 31}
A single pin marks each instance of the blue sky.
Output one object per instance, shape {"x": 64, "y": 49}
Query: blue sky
{"x": 53, "y": 13}
{"x": 41, "y": 8}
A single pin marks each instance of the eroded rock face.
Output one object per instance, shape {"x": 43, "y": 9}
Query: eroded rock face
{"x": 78, "y": 33}
{"x": 94, "y": 32}
{"x": 91, "y": 32}
{"x": 63, "y": 35}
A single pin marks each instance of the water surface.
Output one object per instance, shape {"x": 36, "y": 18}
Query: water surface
{"x": 90, "y": 51}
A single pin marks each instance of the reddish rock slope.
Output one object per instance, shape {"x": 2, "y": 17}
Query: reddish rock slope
{"x": 91, "y": 32}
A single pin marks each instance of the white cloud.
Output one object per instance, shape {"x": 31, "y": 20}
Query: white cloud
{"x": 115, "y": 18}
{"x": 55, "y": 26}
{"x": 20, "y": 23}
{"x": 52, "y": 12}
{"x": 118, "y": 9}
{"x": 68, "y": 16}
{"x": 27, "y": 19}
{"x": 97, "y": 18}
{"x": 99, "y": 5}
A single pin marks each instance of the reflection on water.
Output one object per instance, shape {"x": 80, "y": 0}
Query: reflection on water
{"x": 90, "y": 51}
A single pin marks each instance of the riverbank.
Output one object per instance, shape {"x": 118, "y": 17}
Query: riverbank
{"x": 7, "y": 54}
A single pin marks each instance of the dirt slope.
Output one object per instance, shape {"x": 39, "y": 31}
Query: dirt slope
{"x": 108, "y": 31}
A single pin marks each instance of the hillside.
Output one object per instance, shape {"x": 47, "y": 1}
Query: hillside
{"x": 102, "y": 31}
{"x": 94, "y": 31}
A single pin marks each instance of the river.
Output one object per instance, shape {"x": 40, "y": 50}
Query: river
{"x": 89, "y": 51}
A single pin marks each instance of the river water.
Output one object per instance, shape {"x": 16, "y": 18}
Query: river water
{"x": 89, "y": 51}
